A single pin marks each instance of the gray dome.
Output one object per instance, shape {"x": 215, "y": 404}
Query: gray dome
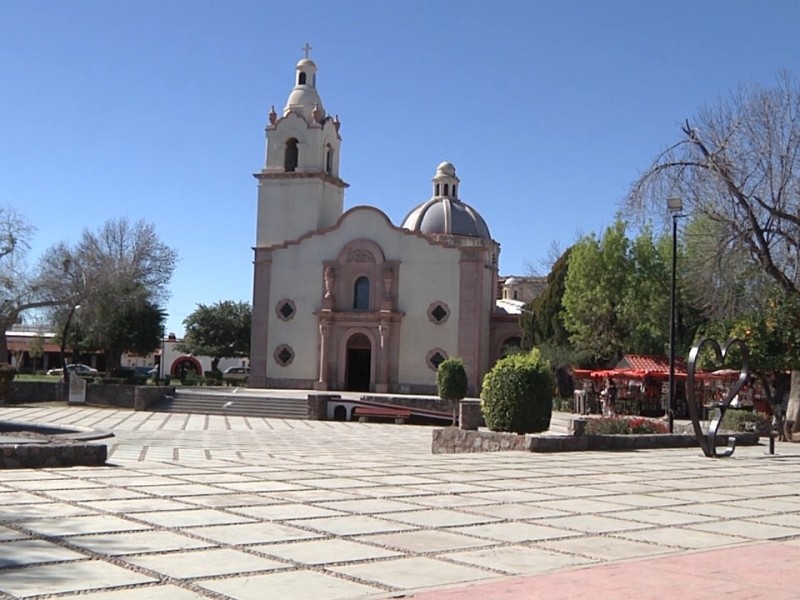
{"x": 448, "y": 216}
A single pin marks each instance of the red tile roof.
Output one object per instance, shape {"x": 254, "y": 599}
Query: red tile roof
{"x": 653, "y": 364}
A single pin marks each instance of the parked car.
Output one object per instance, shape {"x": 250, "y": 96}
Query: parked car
{"x": 236, "y": 374}
{"x": 75, "y": 368}
{"x": 144, "y": 371}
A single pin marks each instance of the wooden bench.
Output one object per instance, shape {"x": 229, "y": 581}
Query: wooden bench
{"x": 364, "y": 413}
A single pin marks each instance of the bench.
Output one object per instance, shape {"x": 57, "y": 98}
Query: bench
{"x": 364, "y": 413}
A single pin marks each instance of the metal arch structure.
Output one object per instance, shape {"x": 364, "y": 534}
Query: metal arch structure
{"x": 708, "y": 439}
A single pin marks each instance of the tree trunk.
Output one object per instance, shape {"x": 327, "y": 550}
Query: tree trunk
{"x": 792, "y": 422}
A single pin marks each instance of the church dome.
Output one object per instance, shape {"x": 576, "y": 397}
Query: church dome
{"x": 444, "y": 213}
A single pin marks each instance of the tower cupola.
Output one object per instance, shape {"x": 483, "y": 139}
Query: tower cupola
{"x": 304, "y": 98}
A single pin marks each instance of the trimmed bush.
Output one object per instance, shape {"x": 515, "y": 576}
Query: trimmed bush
{"x": 744, "y": 420}
{"x": 451, "y": 381}
{"x": 624, "y": 426}
{"x": 517, "y": 394}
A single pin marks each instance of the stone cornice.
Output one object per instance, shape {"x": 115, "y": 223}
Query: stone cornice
{"x": 299, "y": 175}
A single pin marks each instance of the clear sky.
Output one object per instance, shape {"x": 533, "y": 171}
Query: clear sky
{"x": 155, "y": 110}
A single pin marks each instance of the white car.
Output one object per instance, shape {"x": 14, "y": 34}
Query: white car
{"x": 236, "y": 374}
{"x": 76, "y": 368}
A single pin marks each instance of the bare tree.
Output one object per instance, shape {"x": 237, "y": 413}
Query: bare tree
{"x": 20, "y": 288}
{"x": 121, "y": 270}
{"x": 737, "y": 165}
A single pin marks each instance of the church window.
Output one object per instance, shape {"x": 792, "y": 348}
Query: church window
{"x": 438, "y": 312}
{"x": 446, "y": 190}
{"x": 301, "y": 79}
{"x": 435, "y": 357}
{"x": 515, "y": 294}
{"x": 283, "y": 355}
{"x": 285, "y": 309}
{"x": 437, "y": 189}
{"x": 290, "y": 157}
{"x": 361, "y": 294}
{"x": 329, "y": 160}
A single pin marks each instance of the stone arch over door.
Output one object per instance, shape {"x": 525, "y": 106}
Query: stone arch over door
{"x": 358, "y": 369}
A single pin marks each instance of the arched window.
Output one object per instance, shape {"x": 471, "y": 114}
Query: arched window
{"x": 361, "y": 294}
{"x": 455, "y": 195}
{"x": 446, "y": 190}
{"x": 301, "y": 79}
{"x": 329, "y": 160}
{"x": 437, "y": 189}
{"x": 290, "y": 156}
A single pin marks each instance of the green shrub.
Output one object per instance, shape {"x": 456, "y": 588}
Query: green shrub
{"x": 744, "y": 420}
{"x": 451, "y": 381}
{"x": 7, "y": 372}
{"x": 623, "y": 426}
{"x": 517, "y": 394}
{"x": 191, "y": 378}
{"x": 212, "y": 378}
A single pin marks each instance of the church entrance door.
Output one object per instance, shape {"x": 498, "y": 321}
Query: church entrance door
{"x": 359, "y": 360}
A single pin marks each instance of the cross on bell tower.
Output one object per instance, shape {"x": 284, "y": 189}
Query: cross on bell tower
{"x": 306, "y": 49}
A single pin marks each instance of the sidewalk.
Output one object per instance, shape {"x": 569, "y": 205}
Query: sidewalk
{"x": 196, "y": 506}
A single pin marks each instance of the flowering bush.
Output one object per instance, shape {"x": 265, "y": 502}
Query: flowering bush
{"x": 624, "y": 426}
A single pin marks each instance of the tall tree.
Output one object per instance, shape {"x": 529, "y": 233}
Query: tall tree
{"x": 593, "y": 294}
{"x": 737, "y": 164}
{"x": 221, "y": 330}
{"x": 115, "y": 275}
{"x": 542, "y": 319}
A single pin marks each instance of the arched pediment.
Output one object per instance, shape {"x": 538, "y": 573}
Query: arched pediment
{"x": 361, "y": 251}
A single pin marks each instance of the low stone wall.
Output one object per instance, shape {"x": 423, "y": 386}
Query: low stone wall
{"x": 453, "y": 441}
{"x": 25, "y": 392}
{"x": 53, "y": 454}
{"x": 424, "y": 403}
{"x": 145, "y": 396}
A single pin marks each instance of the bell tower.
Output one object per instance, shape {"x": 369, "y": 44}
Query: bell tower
{"x": 299, "y": 189}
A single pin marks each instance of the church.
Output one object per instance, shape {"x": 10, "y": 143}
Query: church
{"x": 349, "y": 300}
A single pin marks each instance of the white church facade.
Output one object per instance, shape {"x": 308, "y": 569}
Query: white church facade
{"x": 350, "y": 301}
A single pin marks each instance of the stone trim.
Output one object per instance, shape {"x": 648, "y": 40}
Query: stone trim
{"x": 280, "y": 310}
{"x": 432, "y": 361}
{"x": 284, "y": 355}
{"x": 438, "y": 312}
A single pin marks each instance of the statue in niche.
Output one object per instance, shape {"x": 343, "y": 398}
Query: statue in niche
{"x": 329, "y": 277}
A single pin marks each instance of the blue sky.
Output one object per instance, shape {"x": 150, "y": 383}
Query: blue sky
{"x": 156, "y": 110}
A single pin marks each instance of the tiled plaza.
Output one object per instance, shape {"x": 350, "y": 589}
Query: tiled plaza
{"x": 194, "y": 506}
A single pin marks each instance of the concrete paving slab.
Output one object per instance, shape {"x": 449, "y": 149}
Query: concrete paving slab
{"x": 439, "y": 517}
{"x": 322, "y": 552}
{"x": 138, "y": 505}
{"x": 681, "y": 537}
{"x": 294, "y": 585}
{"x": 77, "y": 525}
{"x": 604, "y": 547}
{"x": 516, "y": 532}
{"x": 205, "y": 563}
{"x": 44, "y": 509}
{"x": 368, "y": 506}
{"x": 517, "y": 560}
{"x": 746, "y": 529}
{"x": 135, "y": 542}
{"x": 253, "y": 533}
{"x": 286, "y": 511}
{"x": 191, "y": 517}
{"x": 150, "y": 592}
{"x": 415, "y": 572}
{"x": 69, "y": 577}
{"x": 425, "y": 541}
{"x": 352, "y": 525}
{"x": 658, "y": 516}
{"x": 588, "y": 523}
{"x": 31, "y": 551}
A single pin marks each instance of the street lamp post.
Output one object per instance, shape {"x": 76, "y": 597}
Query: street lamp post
{"x": 675, "y": 205}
